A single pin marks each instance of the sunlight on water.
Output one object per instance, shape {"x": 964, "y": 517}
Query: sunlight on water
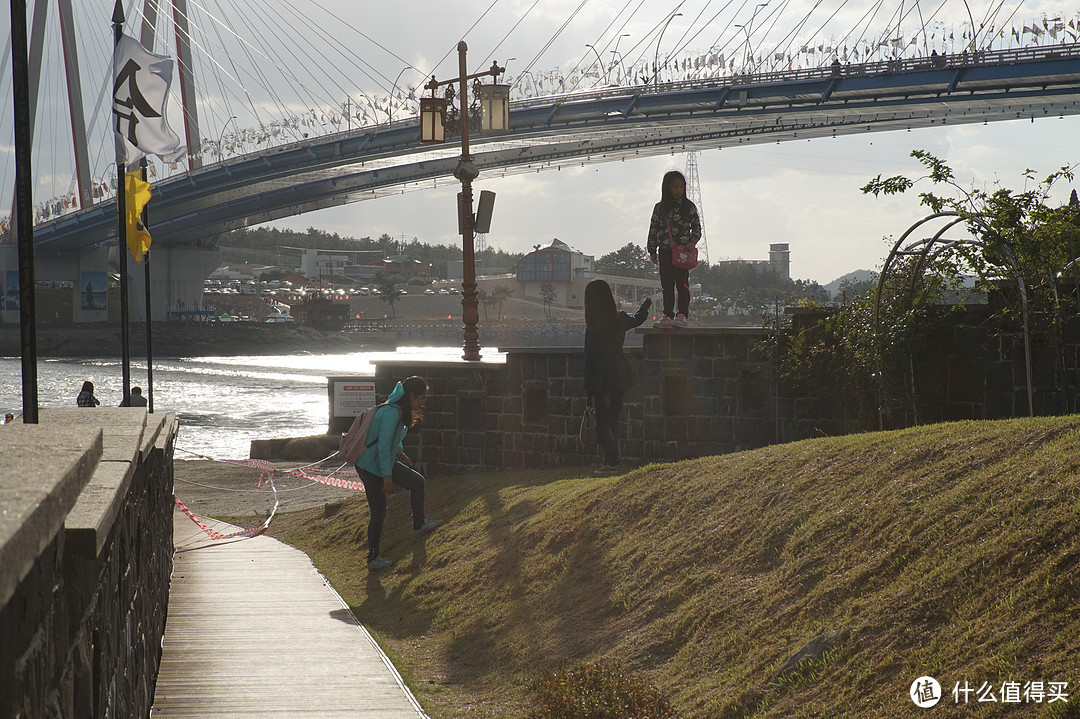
{"x": 222, "y": 402}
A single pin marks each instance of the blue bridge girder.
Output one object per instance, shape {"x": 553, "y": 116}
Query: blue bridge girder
{"x": 595, "y": 126}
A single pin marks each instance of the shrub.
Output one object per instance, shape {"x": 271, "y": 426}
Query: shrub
{"x": 594, "y": 691}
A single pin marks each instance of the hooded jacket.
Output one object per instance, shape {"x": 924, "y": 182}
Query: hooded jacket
{"x": 379, "y": 458}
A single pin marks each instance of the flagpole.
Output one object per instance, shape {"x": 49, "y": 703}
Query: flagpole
{"x": 146, "y": 295}
{"x": 24, "y": 210}
{"x": 121, "y": 214}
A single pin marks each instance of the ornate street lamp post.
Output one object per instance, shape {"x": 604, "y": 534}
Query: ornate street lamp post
{"x": 656, "y": 58}
{"x": 221, "y": 138}
{"x": 495, "y": 118}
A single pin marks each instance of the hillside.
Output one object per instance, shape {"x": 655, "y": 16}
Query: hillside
{"x": 853, "y": 277}
{"x": 949, "y": 550}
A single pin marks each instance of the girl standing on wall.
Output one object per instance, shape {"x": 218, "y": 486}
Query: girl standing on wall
{"x": 674, "y": 222}
{"x": 607, "y": 373}
{"x": 384, "y": 464}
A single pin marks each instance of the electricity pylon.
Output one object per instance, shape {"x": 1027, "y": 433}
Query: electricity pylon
{"x": 693, "y": 192}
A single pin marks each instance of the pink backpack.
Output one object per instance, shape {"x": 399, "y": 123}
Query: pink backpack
{"x": 355, "y": 442}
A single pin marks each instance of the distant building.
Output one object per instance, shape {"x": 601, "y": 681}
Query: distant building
{"x": 567, "y": 270}
{"x": 226, "y": 273}
{"x": 356, "y": 265}
{"x": 402, "y": 265}
{"x": 321, "y": 266}
{"x": 455, "y": 269}
{"x": 779, "y": 261}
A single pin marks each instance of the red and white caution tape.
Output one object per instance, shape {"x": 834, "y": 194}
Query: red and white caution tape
{"x": 267, "y": 470}
{"x": 215, "y": 535}
{"x": 326, "y": 476}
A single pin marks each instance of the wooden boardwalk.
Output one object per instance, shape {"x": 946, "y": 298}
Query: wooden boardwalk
{"x": 255, "y": 631}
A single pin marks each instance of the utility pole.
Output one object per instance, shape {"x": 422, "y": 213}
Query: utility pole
{"x": 23, "y": 215}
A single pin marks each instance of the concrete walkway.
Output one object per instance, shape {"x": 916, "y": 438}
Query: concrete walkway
{"x": 255, "y": 631}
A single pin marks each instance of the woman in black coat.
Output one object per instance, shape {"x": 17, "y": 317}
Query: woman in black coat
{"x": 607, "y": 372}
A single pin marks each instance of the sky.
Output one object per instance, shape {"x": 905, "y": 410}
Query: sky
{"x": 804, "y": 193}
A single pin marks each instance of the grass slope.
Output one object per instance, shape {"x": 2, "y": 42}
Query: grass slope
{"x": 951, "y": 550}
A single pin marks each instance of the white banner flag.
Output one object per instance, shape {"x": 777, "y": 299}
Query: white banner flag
{"x": 140, "y": 90}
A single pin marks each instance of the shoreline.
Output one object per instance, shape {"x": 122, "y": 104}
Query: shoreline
{"x": 198, "y": 339}
{"x": 194, "y": 340}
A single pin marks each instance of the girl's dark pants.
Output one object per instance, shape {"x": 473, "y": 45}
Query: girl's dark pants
{"x": 672, "y": 280}
{"x": 405, "y": 477}
{"x": 608, "y": 408}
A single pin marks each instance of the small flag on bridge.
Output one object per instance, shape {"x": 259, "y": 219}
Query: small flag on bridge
{"x": 138, "y": 194}
{"x": 141, "y": 83}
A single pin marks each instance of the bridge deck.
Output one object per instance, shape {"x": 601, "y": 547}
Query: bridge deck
{"x": 255, "y": 631}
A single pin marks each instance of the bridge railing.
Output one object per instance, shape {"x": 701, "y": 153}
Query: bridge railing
{"x": 886, "y": 67}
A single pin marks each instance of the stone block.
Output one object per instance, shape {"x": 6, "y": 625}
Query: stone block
{"x": 999, "y": 405}
{"x": 750, "y": 433}
{"x": 966, "y": 380}
{"x": 94, "y": 514}
{"x": 45, "y": 469}
{"x": 472, "y": 440}
{"x": 510, "y": 423}
{"x": 963, "y": 410}
{"x": 512, "y": 404}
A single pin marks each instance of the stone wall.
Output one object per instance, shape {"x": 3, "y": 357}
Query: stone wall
{"x": 85, "y": 561}
{"x": 707, "y": 391}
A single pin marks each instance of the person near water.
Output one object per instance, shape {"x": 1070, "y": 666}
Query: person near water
{"x": 86, "y": 396}
{"x": 384, "y": 466}
{"x": 135, "y": 399}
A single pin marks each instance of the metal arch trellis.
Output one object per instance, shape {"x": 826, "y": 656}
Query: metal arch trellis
{"x": 928, "y": 249}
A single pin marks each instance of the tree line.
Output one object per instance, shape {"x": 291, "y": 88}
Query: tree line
{"x": 724, "y": 285}
{"x": 727, "y": 285}
{"x": 273, "y": 238}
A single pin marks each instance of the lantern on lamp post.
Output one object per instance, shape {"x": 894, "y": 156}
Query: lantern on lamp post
{"x": 495, "y": 108}
{"x": 494, "y": 119}
{"x": 432, "y": 115}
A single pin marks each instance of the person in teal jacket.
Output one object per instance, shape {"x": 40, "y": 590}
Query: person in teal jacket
{"x": 384, "y": 464}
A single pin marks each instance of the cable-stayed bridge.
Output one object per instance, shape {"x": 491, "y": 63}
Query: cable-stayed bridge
{"x": 751, "y": 103}
{"x": 597, "y": 126}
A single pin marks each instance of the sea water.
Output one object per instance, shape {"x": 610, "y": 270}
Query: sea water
{"x": 222, "y": 402}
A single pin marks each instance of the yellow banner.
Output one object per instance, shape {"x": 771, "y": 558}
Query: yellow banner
{"x": 138, "y": 194}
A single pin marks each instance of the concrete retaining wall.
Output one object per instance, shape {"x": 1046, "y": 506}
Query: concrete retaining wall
{"x": 708, "y": 391}
{"x": 85, "y": 561}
